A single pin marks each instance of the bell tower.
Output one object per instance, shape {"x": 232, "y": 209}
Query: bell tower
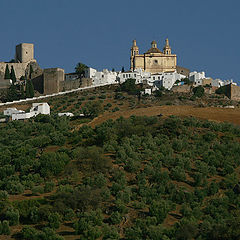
{"x": 167, "y": 49}
{"x": 154, "y": 44}
{"x": 134, "y": 52}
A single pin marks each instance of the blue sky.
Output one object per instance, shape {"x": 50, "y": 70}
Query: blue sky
{"x": 204, "y": 34}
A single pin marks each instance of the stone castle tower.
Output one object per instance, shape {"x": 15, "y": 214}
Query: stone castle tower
{"x": 154, "y": 60}
{"x": 24, "y": 53}
{"x": 24, "y": 57}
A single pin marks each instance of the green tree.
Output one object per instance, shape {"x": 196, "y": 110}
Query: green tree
{"x": 92, "y": 109}
{"x": 5, "y": 227}
{"x": 129, "y": 86}
{"x": 30, "y": 72}
{"x": 115, "y": 218}
{"x": 13, "y": 216}
{"x": 7, "y": 73}
{"x": 12, "y": 93}
{"x": 54, "y": 220}
{"x": 159, "y": 209}
{"x": 198, "y": 91}
{"x": 29, "y": 89}
{"x": 22, "y": 93}
{"x": 12, "y": 75}
{"x": 80, "y": 69}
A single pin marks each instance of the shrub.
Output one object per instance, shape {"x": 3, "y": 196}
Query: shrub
{"x": 49, "y": 186}
{"x": 198, "y": 91}
{"x": 5, "y": 227}
{"x": 92, "y": 109}
{"x": 115, "y": 218}
{"x": 54, "y": 220}
{"x": 37, "y": 190}
{"x": 12, "y": 216}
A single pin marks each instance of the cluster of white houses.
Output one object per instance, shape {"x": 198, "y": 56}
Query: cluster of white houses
{"x": 37, "y": 108}
{"x": 156, "y": 80}
{"x": 162, "y": 79}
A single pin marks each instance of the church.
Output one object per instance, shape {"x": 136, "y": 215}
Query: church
{"x": 154, "y": 60}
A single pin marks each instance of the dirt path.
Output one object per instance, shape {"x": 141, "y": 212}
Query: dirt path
{"x": 210, "y": 113}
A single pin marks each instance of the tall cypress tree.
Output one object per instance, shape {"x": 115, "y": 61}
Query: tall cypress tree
{"x": 12, "y": 75}
{"x": 7, "y": 73}
{"x": 22, "y": 93}
{"x": 12, "y": 93}
{"x": 31, "y": 71}
{"x": 29, "y": 89}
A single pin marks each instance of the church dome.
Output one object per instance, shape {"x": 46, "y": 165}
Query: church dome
{"x": 153, "y": 48}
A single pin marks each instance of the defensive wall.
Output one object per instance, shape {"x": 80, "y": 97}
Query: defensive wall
{"x": 182, "y": 88}
{"x": 233, "y": 92}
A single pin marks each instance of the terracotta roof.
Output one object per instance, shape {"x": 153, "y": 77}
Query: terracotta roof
{"x": 153, "y": 50}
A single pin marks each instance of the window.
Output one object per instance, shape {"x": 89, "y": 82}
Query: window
{"x": 153, "y": 78}
{"x": 155, "y": 61}
{"x": 123, "y": 75}
{"x": 158, "y": 78}
{"x": 135, "y": 75}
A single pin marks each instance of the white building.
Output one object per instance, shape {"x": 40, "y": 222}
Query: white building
{"x": 197, "y": 77}
{"x": 103, "y": 77}
{"x": 165, "y": 79}
{"x": 37, "y": 108}
{"x": 139, "y": 75}
{"x": 10, "y": 111}
{"x": 90, "y": 72}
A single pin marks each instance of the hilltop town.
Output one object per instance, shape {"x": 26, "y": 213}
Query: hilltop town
{"x": 22, "y": 77}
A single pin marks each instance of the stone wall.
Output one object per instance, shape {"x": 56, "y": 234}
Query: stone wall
{"x": 19, "y": 68}
{"x": 4, "y": 83}
{"x": 233, "y": 92}
{"x": 52, "y": 78}
{"x": 74, "y": 84}
{"x": 182, "y": 88}
{"x": 38, "y": 83}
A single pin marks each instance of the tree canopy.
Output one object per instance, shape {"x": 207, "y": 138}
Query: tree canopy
{"x": 80, "y": 69}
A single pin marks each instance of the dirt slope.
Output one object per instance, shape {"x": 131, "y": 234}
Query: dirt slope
{"x": 210, "y": 113}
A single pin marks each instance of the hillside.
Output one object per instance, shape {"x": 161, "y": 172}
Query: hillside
{"x": 117, "y": 174}
{"x": 115, "y": 104}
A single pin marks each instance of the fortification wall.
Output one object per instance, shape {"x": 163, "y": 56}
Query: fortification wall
{"x": 19, "y": 68}
{"x": 74, "y": 84}
{"x": 4, "y": 83}
{"x": 52, "y": 78}
{"x": 182, "y": 89}
{"x": 235, "y": 92}
{"x": 38, "y": 83}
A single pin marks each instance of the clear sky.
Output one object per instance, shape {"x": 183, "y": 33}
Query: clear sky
{"x": 203, "y": 33}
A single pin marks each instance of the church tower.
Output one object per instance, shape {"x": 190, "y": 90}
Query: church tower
{"x": 167, "y": 49}
{"x": 134, "y": 52}
{"x": 154, "y": 44}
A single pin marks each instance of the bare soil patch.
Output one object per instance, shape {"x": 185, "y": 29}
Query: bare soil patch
{"x": 210, "y": 113}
